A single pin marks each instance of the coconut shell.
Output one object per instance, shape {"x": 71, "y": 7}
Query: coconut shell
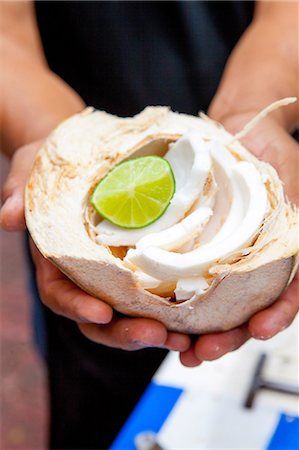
{"x": 78, "y": 153}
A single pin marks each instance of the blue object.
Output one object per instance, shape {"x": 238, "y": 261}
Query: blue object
{"x": 286, "y": 435}
{"x": 149, "y": 414}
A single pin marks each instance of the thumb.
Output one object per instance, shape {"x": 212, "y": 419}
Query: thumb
{"x": 12, "y": 216}
{"x": 270, "y": 142}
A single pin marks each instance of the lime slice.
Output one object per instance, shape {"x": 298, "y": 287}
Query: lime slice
{"x": 135, "y": 193}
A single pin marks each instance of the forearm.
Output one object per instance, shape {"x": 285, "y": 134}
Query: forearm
{"x": 33, "y": 98}
{"x": 263, "y": 66}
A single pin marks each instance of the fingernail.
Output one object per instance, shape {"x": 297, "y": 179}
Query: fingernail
{"x": 142, "y": 344}
{"x": 262, "y": 337}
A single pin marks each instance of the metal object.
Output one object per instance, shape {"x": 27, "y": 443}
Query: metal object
{"x": 147, "y": 440}
{"x": 258, "y": 383}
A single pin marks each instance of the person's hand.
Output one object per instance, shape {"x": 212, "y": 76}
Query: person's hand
{"x": 271, "y": 143}
{"x": 95, "y": 318}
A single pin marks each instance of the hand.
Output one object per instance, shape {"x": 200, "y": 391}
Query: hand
{"x": 94, "y": 317}
{"x": 271, "y": 143}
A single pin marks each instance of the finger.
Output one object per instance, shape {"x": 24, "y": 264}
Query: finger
{"x": 271, "y": 143}
{"x": 63, "y": 297}
{"x": 279, "y": 149}
{"x": 213, "y": 346}
{"x": 177, "y": 342}
{"x": 127, "y": 333}
{"x": 12, "y": 212}
{"x": 278, "y": 316}
{"x": 189, "y": 358}
{"x": 134, "y": 334}
{"x": 66, "y": 299}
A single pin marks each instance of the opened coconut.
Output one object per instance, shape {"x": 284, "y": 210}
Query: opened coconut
{"x": 224, "y": 249}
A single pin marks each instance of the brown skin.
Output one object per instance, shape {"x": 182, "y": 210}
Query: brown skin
{"x": 261, "y": 69}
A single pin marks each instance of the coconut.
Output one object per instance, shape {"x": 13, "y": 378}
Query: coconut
{"x": 230, "y": 253}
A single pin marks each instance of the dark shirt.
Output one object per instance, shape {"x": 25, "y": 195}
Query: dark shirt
{"x": 122, "y": 56}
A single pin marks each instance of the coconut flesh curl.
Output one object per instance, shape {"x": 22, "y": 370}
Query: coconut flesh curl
{"x": 225, "y": 248}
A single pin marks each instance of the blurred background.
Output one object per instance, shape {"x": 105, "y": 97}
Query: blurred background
{"x": 23, "y": 403}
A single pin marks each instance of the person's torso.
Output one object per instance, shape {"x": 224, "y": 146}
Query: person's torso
{"x": 121, "y": 56}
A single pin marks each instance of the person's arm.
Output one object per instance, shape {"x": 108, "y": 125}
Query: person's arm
{"x": 262, "y": 68}
{"x": 34, "y": 100}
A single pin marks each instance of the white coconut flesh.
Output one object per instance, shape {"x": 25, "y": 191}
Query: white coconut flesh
{"x": 248, "y": 210}
{"x": 191, "y": 164}
{"x": 225, "y": 247}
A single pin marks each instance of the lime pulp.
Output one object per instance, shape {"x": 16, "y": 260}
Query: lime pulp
{"x": 136, "y": 192}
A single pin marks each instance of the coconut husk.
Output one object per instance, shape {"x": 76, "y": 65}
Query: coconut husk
{"x": 73, "y": 159}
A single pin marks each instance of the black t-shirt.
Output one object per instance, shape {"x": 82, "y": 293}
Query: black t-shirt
{"x": 121, "y": 56}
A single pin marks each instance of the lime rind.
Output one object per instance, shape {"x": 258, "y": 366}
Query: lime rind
{"x": 149, "y": 199}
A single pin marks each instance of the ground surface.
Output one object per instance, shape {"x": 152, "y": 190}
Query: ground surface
{"x": 23, "y": 409}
